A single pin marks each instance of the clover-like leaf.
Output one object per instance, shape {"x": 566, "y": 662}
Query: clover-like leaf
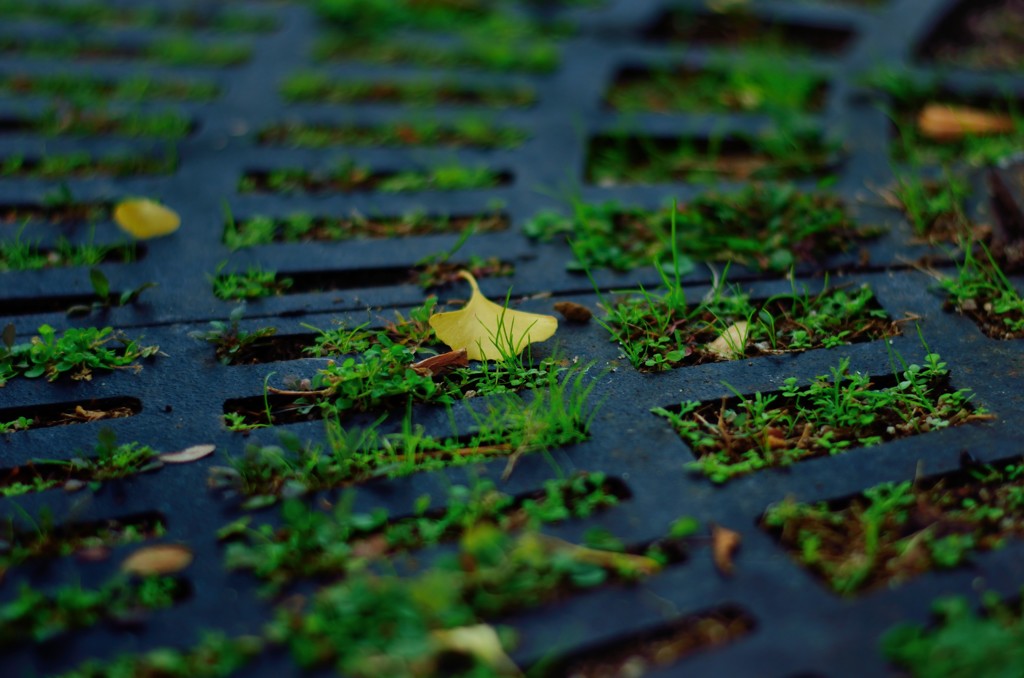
{"x": 489, "y": 331}
{"x": 145, "y": 219}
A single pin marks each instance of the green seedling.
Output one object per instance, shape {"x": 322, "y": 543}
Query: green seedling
{"x": 27, "y": 255}
{"x": 215, "y": 656}
{"x": 436, "y": 270}
{"x": 375, "y": 370}
{"x": 752, "y": 84}
{"x": 180, "y": 50}
{"x": 471, "y": 20}
{"x": 961, "y": 642}
{"x": 831, "y": 415}
{"x": 239, "y": 423}
{"x": 105, "y": 299}
{"x": 322, "y": 88}
{"x": 660, "y": 331}
{"x": 77, "y": 353}
{"x": 501, "y": 52}
{"x": 101, "y": 14}
{"x": 19, "y": 424}
{"x": 230, "y": 340}
{"x": 83, "y": 164}
{"x": 169, "y": 125}
{"x": 448, "y": 177}
{"x": 465, "y": 132}
{"x": 38, "y": 617}
{"x": 382, "y": 375}
{"x": 255, "y": 283}
{"x": 935, "y": 208}
{"x": 295, "y": 549}
{"x": 184, "y": 50}
{"x": 258, "y": 283}
{"x": 46, "y": 540}
{"x": 304, "y": 227}
{"x": 630, "y": 158}
{"x": 413, "y": 333}
{"x": 374, "y": 16}
{"x": 110, "y": 461}
{"x": 763, "y": 227}
{"x": 557, "y": 414}
{"x": 349, "y": 176}
{"x": 981, "y": 291}
{"x": 895, "y": 531}
{"x": 418, "y": 625}
{"x": 84, "y": 91}
{"x": 392, "y": 623}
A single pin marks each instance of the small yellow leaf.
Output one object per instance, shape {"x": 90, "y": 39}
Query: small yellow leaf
{"x": 730, "y": 344}
{"x": 145, "y": 219}
{"x": 159, "y": 559}
{"x": 188, "y": 454}
{"x": 487, "y": 330}
{"x": 940, "y": 122}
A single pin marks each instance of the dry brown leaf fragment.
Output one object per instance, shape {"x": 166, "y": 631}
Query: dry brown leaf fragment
{"x": 724, "y": 543}
{"x": 943, "y": 122}
{"x": 87, "y": 415}
{"x": 188, "y": 454}
{"x": 573, "y": 312}
{"x": 730, "y": 344}
{"x": 159, "y": 559}
{"x": 440, "y": 364}
{"x": 775, "y": 438}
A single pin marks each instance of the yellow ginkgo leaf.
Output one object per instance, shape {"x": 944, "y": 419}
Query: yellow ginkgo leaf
{"x": 489, "y": 331}
{"x": 145, "y": 219}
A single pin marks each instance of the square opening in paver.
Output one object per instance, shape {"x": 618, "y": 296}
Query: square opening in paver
{"x": 896, "y": 531}
{"x": 834, "y": 414}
